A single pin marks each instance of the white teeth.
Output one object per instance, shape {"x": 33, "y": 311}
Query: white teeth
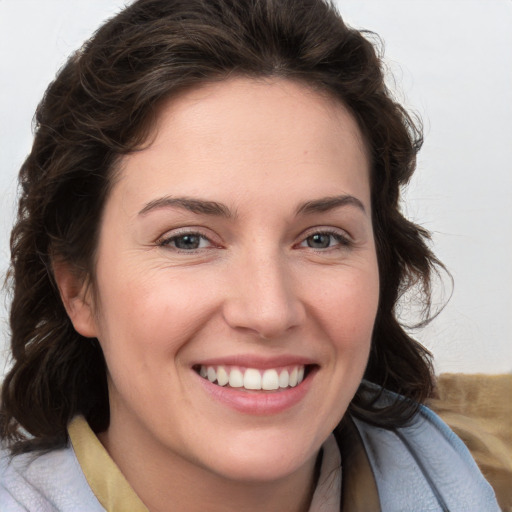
{"x": 236, "y": 378}
{"x": 211, "y": 374}
{"x": 293, "y": 377}
{"x": 270, "y": 380}
{"x": 253, "y": 379}
{"x": 284, "y": 379}
{"x": 222, "y": 376}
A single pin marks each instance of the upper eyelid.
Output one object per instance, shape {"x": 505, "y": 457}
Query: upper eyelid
{"x": 344, "y": 239}
{"x": 330, "y": 230}
{"x": 176, "y": 233}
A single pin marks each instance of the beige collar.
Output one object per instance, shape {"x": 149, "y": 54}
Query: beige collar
{"x": 102, "y": 474}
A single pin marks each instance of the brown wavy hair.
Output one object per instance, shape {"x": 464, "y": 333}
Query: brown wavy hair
{"x": 102, "y": 105}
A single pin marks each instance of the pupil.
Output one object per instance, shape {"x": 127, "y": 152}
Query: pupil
{"x": 319, "y": 241}
{"x": 187, "y": 242}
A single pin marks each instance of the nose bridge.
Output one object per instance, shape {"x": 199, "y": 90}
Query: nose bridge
{"x": 263, "y": 296}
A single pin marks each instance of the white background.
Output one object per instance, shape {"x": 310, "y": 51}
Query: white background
{"x": 452, "y": 63}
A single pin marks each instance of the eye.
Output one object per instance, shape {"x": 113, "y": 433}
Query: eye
{"x": 186, "y": 242}
{"x": 324, "y": 240}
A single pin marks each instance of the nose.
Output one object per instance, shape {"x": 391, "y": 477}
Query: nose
{"x": 263, "y": 298}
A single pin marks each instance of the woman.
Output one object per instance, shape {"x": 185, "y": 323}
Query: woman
{"x": 205, "y": 267}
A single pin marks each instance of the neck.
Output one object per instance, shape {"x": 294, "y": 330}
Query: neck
{"x": 159, "y": 478}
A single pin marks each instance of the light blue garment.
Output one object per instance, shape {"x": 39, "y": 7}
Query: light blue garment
{"x": 419, "y": 468}
{"x": 425, "y": 467}
{"x": 51, "y": 482}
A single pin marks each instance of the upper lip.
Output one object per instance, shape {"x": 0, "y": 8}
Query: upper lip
{"x": 255, "y": 361}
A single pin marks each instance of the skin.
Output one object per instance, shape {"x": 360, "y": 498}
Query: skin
{"x": 253, "y": 288}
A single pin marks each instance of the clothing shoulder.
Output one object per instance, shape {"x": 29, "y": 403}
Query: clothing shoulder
{"x": 46, "y": 482}
{"x": 425, "y": 466}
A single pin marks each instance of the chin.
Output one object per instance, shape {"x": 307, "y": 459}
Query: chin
{"x": 261, "y": 470}
{"x": 263, "y": 461}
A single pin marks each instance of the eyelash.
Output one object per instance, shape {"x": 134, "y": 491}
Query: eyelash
{"x": 342, "y": 241}
{"x": 166, "y": 242}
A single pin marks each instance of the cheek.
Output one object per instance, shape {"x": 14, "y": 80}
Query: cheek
{"x": 348, "y": 306}
{"x": 149, "y": 315}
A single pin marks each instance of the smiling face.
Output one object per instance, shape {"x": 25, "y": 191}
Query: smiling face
{"x": 236, "y": 252}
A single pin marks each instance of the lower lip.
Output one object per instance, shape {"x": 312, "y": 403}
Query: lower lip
{"x": 258, "y": 402}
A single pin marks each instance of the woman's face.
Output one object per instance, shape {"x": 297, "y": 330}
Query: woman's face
{"x": 237, "y": 248}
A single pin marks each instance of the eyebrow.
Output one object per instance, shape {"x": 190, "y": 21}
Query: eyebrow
{"x": 200, "y": 206}
{"x": 329, "y": 203}
{"x": 205, "y": 207}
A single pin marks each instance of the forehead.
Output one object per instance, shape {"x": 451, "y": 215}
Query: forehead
{"x": 249, "y": 132}
{"x": 258, "y": 105}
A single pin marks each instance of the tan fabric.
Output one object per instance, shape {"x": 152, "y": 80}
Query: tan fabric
{"x": 105, "y": 479}
{"x": 478, "y": 408}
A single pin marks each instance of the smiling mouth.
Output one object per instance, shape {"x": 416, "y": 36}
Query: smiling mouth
{"x": 253, "y": 379}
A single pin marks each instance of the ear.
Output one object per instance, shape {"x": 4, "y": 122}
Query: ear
{"x": 76, "y": 296}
